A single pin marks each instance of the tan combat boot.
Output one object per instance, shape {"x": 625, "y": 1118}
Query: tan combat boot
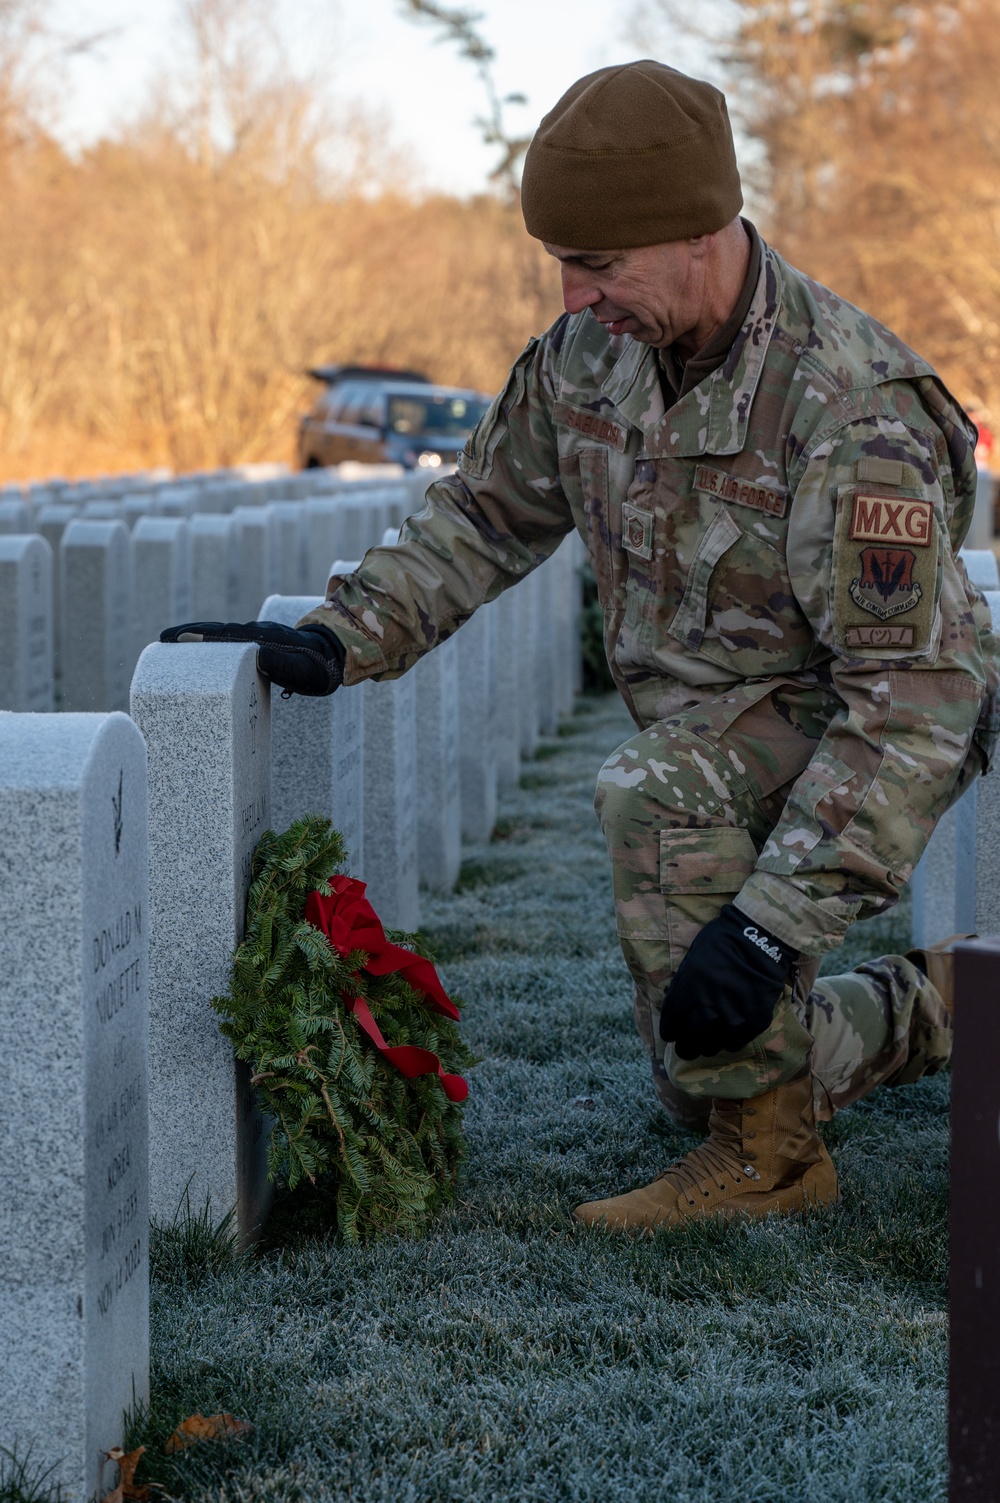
{"x": 761, "y": 1155}
{"x": 938, "y": 964}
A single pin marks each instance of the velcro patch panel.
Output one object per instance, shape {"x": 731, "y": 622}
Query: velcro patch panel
{"x": 885, "y": 572}
{"x": 888, "y": 472}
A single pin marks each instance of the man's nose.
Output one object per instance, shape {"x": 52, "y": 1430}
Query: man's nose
{"x": 578, "y": 289}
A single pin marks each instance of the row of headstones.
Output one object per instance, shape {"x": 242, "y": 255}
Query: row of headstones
{"x": 126, "y": 861}
{"x": 953, "y": 887}
{"x": 438, "y": 742}
{"x": 84, "y": 587}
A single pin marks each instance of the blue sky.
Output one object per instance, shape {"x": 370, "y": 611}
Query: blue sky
{"x": 370, "y": 52}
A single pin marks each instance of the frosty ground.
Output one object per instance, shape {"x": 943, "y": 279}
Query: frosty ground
{"x": 511, "y": 1355}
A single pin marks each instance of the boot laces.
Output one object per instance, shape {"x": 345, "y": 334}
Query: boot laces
{"x": 720, "y": 1160}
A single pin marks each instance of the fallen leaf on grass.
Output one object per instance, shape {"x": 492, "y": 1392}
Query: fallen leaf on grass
{"x": 199, "y": 1427}
{"x": 127, "y": 1489}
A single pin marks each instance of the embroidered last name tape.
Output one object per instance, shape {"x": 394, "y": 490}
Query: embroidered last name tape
{"x": 745, "y": 492}
{"x": 592, "y": 424}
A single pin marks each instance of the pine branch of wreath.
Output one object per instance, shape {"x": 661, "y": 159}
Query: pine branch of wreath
{"x": 392, "y": 1145}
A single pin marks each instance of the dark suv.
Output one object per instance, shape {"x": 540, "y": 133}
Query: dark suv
{"x": 377, "y": 415}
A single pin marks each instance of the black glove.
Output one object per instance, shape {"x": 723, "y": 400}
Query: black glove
{"x": 306, "y": 660}
{"x": 726, "y": 987}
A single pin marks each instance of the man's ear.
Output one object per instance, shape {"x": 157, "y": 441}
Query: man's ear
{"x": 701, "y": 245}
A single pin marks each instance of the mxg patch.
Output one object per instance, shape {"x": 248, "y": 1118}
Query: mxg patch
{"x": 731, "y": 488}
{"x": 879, "y": 519}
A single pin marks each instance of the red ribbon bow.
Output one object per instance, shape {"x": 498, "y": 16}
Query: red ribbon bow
{"x": 350, "y": 923}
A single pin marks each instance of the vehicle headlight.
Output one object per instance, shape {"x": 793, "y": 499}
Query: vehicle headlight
{"x": 429, "y": 461}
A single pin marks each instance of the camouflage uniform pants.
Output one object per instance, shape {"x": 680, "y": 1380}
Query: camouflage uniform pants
{"x": 685, "y": 806}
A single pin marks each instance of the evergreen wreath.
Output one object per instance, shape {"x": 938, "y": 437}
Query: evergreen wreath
{"x": 392, "y": 1146}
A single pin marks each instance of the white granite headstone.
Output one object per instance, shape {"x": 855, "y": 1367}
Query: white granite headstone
{"x": 317, "y": 749}
{"x": 981, "y": 567}
{"x": 96, "y": 648}
{"x": 954, "y": 887}
{"x": 390, "y": 770}
{"x": 257, "y": 562}
{"x": 983, "y": 516}
{"x": 526, "y": 592}
{"x": 398, "y": 505}
{"x": 507, "y": 685}
{"x": 578, "y": 556}
{"x": 136, "y": 506}
{"x": 51, "y": 522}
{"x": 566, "y": 639}
{"x": 547, "y": 638}
{"x": 15, "y": 517}
{"x": 205, "y": 713}
{"x": 939, "y": 898}
{"x": 26, "y": 628}
{"x": 323, "y": 542}
{"x": 289, "y": 524}
{"x": 361, "y": 522}
{"x": 103, "y": 509}
{"x": 213, "y": 567}
{"x": 977, "y": 842}
{"x": 477, "y": 743}
{"x": 74, "y": 1220}
{"x": 439, "y": 823}
{"x": 178, "y": 501}
{"x": 161, "y": 577}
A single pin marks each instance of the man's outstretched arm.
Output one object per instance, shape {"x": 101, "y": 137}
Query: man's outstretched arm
{"x": 307, "y": 661}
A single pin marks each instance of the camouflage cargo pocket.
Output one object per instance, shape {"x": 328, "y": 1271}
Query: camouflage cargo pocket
{"x": 476, "y": 459}
{"x": 700, "y": 870}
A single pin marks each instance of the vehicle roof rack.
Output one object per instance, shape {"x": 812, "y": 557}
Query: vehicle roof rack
{"x": 331, "y": 373}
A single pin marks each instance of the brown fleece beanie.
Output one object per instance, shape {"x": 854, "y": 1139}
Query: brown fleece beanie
{"x": 632, "y": 155}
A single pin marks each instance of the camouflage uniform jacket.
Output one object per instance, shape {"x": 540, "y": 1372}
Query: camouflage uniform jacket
{"x": 794, "y": 517}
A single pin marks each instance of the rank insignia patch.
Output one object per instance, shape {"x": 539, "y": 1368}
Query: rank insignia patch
{"x": 637, "y": 530}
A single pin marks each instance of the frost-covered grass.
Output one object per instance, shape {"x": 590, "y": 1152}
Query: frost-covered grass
{"x": 512, "y": 1355}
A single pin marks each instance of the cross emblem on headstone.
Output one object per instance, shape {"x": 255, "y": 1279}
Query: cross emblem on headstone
{"x": 117, "y": 805}
{"x": 253, "y": 720}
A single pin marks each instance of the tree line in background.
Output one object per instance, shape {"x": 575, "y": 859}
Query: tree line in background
{"x": 162, "y": 293}
{"x": 878, "y": 132}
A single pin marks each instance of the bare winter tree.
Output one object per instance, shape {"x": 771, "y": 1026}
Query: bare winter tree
{"x": 461, "y": 27}
{"x": 880, "y": 157}
{"x": 162, "y": 293}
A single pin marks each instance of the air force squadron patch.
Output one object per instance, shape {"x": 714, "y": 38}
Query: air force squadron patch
{"x": 886, "y": 569}
{"x": 886, "y": 586}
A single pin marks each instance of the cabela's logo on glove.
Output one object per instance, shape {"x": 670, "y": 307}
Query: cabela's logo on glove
{"x": 765, "y": 943}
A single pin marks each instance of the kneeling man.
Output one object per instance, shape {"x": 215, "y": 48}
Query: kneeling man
{"x": 772, "y": 488}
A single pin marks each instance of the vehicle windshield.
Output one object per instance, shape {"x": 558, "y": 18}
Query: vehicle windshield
{"x": 446, "y": 417}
